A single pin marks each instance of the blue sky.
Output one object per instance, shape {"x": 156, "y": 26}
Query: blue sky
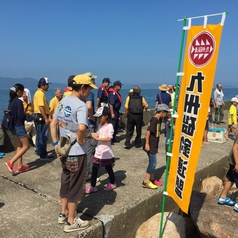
{"x": 135, "y": 41}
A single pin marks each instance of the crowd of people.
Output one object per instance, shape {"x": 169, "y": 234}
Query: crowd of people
{"x": 91, "y": 125}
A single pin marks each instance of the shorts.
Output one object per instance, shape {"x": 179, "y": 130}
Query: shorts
{"x": 232, "y": 176}
{"x": 73, "y": 178}
{"x": 103, "y": 162}
{"x": 210, "y": 119}
{"x": 19, "y": 131}
{"x": 152, "y": 163}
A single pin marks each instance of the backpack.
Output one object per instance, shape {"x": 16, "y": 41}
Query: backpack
{"x": 7, "y": 121}
{"x": 64, "y": 146}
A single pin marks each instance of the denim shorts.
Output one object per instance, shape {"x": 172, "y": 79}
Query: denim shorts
{"x": 152, "y": 163}
{"x": 20, "y": 131}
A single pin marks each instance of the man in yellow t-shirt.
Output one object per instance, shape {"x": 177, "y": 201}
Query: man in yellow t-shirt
{"x": 54, "y": 101}
{"x": 232, "y": 116}
{"x": 42, "y": 119}
{"x": 134, "y": 106}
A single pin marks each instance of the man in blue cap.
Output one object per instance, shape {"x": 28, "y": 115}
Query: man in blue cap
{"x": 42, "y": 119}
{"x": 115, "y": 101}
{"x": 102, "y": 98}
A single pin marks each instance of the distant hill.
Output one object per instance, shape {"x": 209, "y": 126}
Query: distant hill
{"x": 31, "y": 83}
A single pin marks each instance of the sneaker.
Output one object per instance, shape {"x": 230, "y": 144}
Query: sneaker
{"x": 110, "y": 186}
{"x": 91, "y": 189}
{"x": 156, "y": 182}
{"x": 23, "y": 168}
{"x": 236, "y": 207}
{"x": 226, "y": 201}
{"x": 62, "y": 218}
{"x": 126, "y": 147}
{"x": 77, "y": 226}
{"x": 10, "y": 166}
{"x": 149, "y": 184}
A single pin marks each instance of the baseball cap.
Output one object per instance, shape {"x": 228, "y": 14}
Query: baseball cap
{"x": 91, "y": 75}
{"x": 117, "y": 83}
{"x": 43, "y": 81}
{"x": 83, "y": 79}
{"x": 102, "y": 111}
{"x": 234, "y": 99}
{"x": 106, "y": 80}
{"x": 162, "y": 107}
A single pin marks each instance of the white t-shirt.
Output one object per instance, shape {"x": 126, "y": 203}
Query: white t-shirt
{"x": 104, "y": 149}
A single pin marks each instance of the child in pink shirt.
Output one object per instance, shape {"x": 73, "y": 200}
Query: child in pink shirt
{"x": 103, "y": 154}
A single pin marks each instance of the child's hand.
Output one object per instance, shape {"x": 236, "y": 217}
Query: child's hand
{"x": 236, "y": 168}
{"x": 147, "y": 147}
{"x": 95, "y": 136}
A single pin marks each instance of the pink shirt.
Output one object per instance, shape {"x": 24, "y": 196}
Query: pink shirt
{"x": 104, "y": 149}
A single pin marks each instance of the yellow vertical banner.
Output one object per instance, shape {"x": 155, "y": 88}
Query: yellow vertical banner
{"x": 199, "y": 68}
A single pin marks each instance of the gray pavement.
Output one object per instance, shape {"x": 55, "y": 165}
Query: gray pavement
{"x": 29, "y": 202}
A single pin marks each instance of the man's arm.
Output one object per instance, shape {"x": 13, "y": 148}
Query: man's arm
{"x": 81, "y": 134}
{"x": 126, "y": 105}
{"x": 53, "y": 129}
{"x": 147, "y": 140}
{"x": 144, "y": 104}
{"x": 98, "y": 102}
{"x": 42, "y": 111}
{"x": 112, "y": 111}
{"x": 215, "y": 99}
{"x": 89, "y": 105}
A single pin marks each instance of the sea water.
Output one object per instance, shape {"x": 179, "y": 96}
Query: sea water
{"x": 148, "y": 94}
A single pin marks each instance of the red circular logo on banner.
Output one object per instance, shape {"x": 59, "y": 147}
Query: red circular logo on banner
{"x": 201, "y": 49}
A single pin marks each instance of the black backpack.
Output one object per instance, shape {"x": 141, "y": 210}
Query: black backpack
{"x": 7, "y": 121}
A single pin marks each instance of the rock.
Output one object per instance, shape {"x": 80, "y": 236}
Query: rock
{"x": 174, "y": 226}
{"x": 211, "y": 186}
{"x": 212, "y": 219}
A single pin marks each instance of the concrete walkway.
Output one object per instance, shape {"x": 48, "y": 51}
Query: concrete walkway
{"x": 29, "y": 202}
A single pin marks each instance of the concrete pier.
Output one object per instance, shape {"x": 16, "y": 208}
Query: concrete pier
{"x": 30, "y": 204}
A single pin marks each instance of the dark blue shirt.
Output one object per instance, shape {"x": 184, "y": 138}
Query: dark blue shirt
{"x": 90, "y": 98}
{"x": 165, "y": 97}
{"x": 17, "y": 111}
{"x": 113, "y": 100}
{"x": 102, "y": 95}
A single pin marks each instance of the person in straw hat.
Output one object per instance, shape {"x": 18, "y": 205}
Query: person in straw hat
{"x": 163, "y": 96}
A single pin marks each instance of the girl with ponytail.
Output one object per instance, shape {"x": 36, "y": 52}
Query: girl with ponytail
{"x": 19, "y": 133}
